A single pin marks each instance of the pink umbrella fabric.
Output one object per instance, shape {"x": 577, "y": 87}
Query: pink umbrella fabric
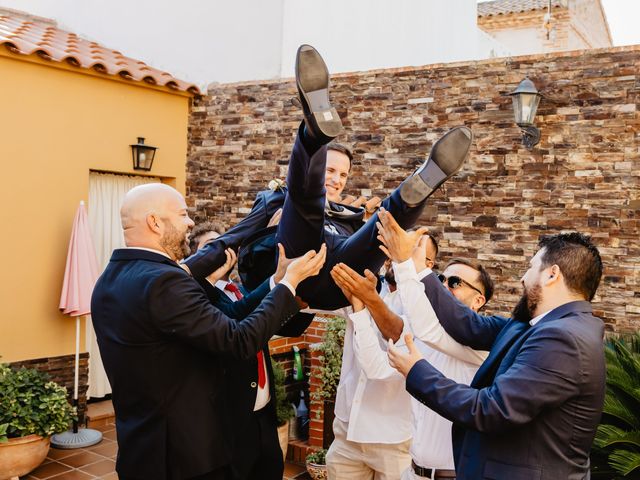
{"x": 81, "y": 272}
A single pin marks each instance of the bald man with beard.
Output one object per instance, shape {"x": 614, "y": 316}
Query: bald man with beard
{"x": 163, "y": 343}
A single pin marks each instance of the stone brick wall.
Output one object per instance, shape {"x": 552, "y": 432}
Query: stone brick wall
{"x": 584, "y": 175}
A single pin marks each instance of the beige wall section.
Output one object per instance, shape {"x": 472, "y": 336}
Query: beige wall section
{"x": 57, "y": 124}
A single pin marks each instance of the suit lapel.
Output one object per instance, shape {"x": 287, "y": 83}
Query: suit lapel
{"x": 486, "y": 373}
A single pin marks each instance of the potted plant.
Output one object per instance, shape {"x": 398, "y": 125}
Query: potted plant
{"x": 284, "y": 410}
{"x": 329, "y": 373}
{"x": 32, "y": 408}
{"x": 616, "y": 450}
{"x": 316, "y": 463}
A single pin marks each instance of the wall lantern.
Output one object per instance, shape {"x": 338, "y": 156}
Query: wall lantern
{"x": 525, "y": 104}
{"x": 142, "y": 155}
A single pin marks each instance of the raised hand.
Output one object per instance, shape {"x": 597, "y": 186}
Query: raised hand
{"x": 283, "y": 264}
{"x": 222, "y": 271}
{"x": 397, "y": 243}
{"x": 420, "y": 254}
{"x": 305, "y": 266}
{"x": 403, "y": 362}
{"x": 355, "y": 302}
{"x": 363, "y": 288}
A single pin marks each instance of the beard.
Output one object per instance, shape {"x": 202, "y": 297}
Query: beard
{"x": 175, "y": 243}
{"x": 523, "y": 311}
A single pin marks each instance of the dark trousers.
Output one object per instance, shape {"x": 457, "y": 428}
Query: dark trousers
{"x": 219, "y": 474}
{"x": 257, "y": 454}
{"x": 302, "y": 229}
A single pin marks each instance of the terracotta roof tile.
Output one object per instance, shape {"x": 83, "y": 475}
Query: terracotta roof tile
{"x": 26, "y": 35}
{"x": 504, "y": 7}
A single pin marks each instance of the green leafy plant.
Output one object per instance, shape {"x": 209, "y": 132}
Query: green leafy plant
{"x": 284, "y": 410}
{"x": 331, "y": 359}
{"x": 319, "y": 457}
{"x": 31, "y": 404}
{"x": 616, "y": 452}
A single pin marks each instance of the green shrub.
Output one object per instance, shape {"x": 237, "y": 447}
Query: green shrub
{"x": 318, "y": 457}
{"x": 31, "y": 404}
{"x": 616, "y": 451}
{"x": 284, "y": 410}
{"x": 331, "y": 347}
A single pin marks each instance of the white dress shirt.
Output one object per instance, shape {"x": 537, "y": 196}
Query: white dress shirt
{"x": 431, "y": 446}
{"x": 262, "y": 394}
{"x": 375, "y": 407}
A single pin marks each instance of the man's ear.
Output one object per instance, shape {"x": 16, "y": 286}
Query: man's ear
{"x": 153, "y": 222}
{"x": 553, "y": 276}
{"x": 431, "y": 264}
{"x": 479, "y": 302}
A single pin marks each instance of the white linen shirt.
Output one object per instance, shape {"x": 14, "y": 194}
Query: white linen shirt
{"x": 375, "y": 409}
{"x": 431, "y": 446}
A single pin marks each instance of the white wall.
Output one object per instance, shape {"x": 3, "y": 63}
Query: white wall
{"x": 367, "y": 34}
{"x": 204, "y": 41}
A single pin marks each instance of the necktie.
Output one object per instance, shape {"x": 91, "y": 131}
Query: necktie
{"x": 262, "y": 374}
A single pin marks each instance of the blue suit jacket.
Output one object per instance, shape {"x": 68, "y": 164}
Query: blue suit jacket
{"x": 533, "y": 407}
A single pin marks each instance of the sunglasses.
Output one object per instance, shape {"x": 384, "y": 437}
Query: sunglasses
{"x": 454, "y": 282}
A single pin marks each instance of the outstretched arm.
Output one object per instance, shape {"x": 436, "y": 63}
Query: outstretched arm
{"x": 364, "y": 288}
{"x": 544, "y": 375}
{"x": 462, "y": 323}
{"x": 423, "y": 320}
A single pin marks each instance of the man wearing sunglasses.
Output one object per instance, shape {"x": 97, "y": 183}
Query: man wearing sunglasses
{"x": 533, "y": 407}
{"x": 431, "y": 451}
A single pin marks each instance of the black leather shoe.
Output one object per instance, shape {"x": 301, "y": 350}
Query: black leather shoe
{"x": 445, "y": 159}
{"x": 312, "y": 79}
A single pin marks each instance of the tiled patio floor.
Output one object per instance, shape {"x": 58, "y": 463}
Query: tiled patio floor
{"x": 98, "y": 461}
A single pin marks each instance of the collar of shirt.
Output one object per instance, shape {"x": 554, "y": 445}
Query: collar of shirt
{"x": 535, "y": 320}
{"x": 150, "y": 250}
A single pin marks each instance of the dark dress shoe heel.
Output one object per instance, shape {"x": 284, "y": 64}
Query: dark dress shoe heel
{"x": 312, "y": 80}
{"x": 445, "y": 159}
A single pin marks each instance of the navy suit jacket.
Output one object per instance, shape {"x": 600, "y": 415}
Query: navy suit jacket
{"x": 164, "y": 347}
{"x": 532, "y": 409}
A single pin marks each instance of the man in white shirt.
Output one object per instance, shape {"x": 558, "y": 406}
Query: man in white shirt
{"x": 431, "y": 451}
{"x": 372, "y": 427}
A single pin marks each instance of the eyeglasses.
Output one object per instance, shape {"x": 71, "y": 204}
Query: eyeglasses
{"x": 454, "y": 282}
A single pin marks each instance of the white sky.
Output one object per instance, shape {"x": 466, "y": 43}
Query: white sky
{"x": 623, "y": 17}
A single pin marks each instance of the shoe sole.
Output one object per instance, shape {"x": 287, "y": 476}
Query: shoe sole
{"x": 445, "y": 159}
{"x": 312, "y": 78}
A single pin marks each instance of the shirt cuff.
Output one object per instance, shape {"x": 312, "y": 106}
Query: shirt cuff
{"x": 359, "y": 318}
{"x": 272, "y": 282}
{"x": 404, "y": 270}
{"x": 289, "y": 286}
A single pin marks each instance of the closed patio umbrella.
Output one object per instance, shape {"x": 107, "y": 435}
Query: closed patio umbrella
{"x": 80, "y": 276}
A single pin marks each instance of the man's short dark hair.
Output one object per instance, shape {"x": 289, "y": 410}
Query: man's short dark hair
{"x": 201, "y": 229}
{"x": 578, "y": 259}
{"x": 485, "y": 279}
{"x": 338, "y": 147}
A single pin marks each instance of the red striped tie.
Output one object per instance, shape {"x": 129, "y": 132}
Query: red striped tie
{"x": 262, "y": 374}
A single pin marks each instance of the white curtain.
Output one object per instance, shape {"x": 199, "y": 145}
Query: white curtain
{"x": 106, "y": 192}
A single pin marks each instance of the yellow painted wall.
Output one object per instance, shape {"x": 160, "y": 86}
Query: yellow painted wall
{"x": 57, "y": 124}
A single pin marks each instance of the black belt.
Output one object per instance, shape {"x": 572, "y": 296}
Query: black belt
{"x": 432, "y": 472}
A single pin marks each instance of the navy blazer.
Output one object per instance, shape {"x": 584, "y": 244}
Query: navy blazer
{"x": 164, "y": 346}
{"x": 532, "y": 409}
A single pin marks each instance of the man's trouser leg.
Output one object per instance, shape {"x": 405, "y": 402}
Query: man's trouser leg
{"x": 360, "y": 251}
{"x": 348, "y": 460}
{"x": 301, "y": 226}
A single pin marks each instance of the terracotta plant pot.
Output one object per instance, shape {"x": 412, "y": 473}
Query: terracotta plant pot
{"x": 283, "y": 436}
{"x": 316, "y": 471}
{"x": 21, "y": 455}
